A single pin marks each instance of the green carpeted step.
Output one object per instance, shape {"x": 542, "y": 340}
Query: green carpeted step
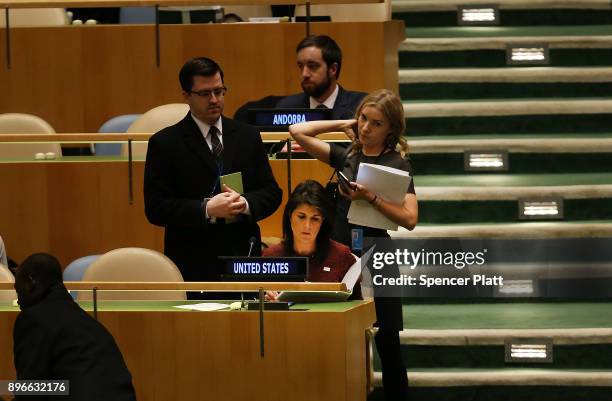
{"x": 496, "y": 211}
{"x": 507, "y": 90}
{"x": 506, "y": 107}
{"x": 451, "y": 5}
{"x": 515, "y": 180}
{"x": 493, "y": 337}
{"x": 518, "y": 124}
{"x": 423, "y": 54}
{"x": 586, "y": 142}
{"x": 441, "y": 377}
{"x": 507, "y": 17}
{"x": 503, "y": 393}
{"x": 508, "y": 315}
{"x": 506, "y": 75}
{"x": 594, "y": 356}
{"x": 477, "y": 348}
{"x": 509, "y": 31}
{"x": 518, "y": 163}
{"x": 553, "y": 229}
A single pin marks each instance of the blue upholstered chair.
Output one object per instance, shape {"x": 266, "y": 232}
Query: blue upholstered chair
{"x": 76, "y": 269}
{"x": 116, "y": 124}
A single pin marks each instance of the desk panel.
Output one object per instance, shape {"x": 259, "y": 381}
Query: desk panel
{"x": 77, "y": 77}
{"x": 309, "y": 355}
{"x": 79, "y": 208}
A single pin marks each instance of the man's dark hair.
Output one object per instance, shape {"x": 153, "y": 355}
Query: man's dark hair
{"x": 329, "y": 49}
{"x": 202, "y": 66}
{"x": 310, "y": 193}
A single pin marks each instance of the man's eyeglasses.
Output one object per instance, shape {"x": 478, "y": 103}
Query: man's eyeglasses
{"x": 207, "y": 94}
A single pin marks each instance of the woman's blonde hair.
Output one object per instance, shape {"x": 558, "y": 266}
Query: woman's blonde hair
{"x": 391, "y": 106}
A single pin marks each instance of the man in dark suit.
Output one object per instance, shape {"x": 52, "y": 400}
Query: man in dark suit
{"x": 54, "y": 339}
{"x": 319, "y": 60}
{"x": 182, "y": 189}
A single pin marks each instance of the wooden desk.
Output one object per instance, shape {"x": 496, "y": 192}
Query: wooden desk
{"x": 161, "y": 3}
{"x": 317, "y": 354}
{"x": 78, "y": 77}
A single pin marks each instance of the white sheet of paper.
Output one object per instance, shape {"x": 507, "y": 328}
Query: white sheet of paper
{"x": 204, "y": 306}
{"x": 352, "y": 275}
{"x": 388, "y": 183}
{"x": 350, "y": 280}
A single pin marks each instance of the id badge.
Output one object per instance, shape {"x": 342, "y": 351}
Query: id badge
{"x": 357, "y": 239}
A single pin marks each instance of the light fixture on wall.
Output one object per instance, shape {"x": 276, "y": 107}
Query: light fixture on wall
{"x": 485, "y": 160}
{"x": 530, "y": 350}
{"x": 520, "y": 54}
{"x": 540, "y": 208}
{"x": 479, "y": 14}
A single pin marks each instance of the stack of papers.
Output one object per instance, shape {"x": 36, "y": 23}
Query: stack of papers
{"x": 204, "y": 306}
{"x": 388, "y": 183}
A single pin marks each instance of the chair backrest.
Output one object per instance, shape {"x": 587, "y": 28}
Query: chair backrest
{"x": 152, "y": 121}
{"x": 19, "y": 123}
{"x": 116, "y": 124}
{"x": 76, "y": 269}
{"x": 23, "y": 17}
{"x": 133, "y": 264}
{"x": 350, "y": 12}
{"x": 7, "y": 276}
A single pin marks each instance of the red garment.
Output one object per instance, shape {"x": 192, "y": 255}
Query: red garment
{"x": 339, "y": 259}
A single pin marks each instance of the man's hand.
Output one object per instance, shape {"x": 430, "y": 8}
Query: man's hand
{"x": 272, "y": 295}
{"x": 226, "y": 204}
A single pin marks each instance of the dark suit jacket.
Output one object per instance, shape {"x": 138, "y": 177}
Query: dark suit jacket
{"x": 56, "y": 339}
{"x": 344, "y": 108}
{"x": 180, "y": 172}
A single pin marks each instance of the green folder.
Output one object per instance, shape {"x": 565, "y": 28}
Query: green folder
{"x": 234, "y": 181}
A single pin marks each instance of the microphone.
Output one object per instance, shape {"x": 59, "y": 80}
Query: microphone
{"x": 251, "y": 243}
{"x": 277, "y": 147}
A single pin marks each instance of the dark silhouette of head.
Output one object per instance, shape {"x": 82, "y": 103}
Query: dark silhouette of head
{"x": 35, "y": 277}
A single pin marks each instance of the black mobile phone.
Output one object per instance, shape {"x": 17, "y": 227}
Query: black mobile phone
{"x": 344, "y": 182}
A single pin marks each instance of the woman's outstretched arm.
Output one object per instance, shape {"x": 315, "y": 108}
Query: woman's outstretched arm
{"x": 305, "y": 134}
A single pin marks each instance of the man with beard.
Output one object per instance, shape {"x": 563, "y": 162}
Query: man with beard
{"x": 183, "y": 192}
{"x": 319, "y": 60}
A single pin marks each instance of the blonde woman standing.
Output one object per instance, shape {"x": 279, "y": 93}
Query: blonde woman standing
{"x": 378, "y": 140}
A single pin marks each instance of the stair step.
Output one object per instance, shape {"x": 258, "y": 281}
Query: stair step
{"x": 507, "y": 315}
{"x": 506, "y": 75}
{"x": 459, "y": 337}
{"x": 543, "y": 32}
{"x": 499, "y": 107}
{"x": 514, "y": 186}
{"x": 504, "y": 90}
{"x": 578, "y": 143}
{"x": 505, "y": 377}
{"x": 511, "y": 125}
{"x": 451, "y": 5}
{"x": 561, "y": 229}
{"x": 428, "y": 53}
{"x": 432, "y": 44}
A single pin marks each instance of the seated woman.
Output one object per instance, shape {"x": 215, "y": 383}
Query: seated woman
{"x": 307, "y": 227}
